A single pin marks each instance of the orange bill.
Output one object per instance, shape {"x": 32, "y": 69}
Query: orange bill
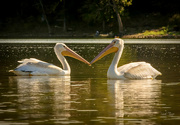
{"x": 109, "y": 49}
{"x": 72, "y": 54}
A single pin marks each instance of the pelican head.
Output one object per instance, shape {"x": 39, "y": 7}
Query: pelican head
{"x": 66, "y": 51}
{"x": 113, "y": 47}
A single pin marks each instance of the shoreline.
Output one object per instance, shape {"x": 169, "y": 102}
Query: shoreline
{"x": 89, "y": 41}
{"x": 74, "y": 36}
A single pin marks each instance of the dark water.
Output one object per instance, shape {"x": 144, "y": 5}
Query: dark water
{"x": 88, "y": 97}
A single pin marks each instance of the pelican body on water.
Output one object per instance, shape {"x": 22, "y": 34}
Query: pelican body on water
{"x": 35, "y": 67}
{"x": 135, "y": 70}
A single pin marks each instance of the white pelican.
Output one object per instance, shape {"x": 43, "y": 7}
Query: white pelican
{"x": 34, "y": 67}
{"x": 135, "y": 70}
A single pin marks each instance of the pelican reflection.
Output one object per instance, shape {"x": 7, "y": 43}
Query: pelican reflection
{"x": 134, "y": 98}
{"x": 43, "y": 96}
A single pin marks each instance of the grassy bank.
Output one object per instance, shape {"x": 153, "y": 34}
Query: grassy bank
{"x": 163, "y": 32}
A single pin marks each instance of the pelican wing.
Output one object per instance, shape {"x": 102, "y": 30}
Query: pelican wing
{"x": 34, "y": 66}
{"x": 138, "y": 70}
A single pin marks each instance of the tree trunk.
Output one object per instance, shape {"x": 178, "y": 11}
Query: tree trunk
{"x": 120, "y": 24}
{"x": 44, "y": 14}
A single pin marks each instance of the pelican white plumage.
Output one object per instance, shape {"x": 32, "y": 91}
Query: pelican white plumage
{"x": 135, "y": 70}
{"x": 36, "y": 67}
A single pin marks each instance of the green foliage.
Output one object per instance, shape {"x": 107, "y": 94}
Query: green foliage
{"x": 102, "y": 10}
{"x": 121, "y": 4}
{"x": 92, "y": 14}
{"x": 95, "y": 11}
{"x": 161, "y": 31}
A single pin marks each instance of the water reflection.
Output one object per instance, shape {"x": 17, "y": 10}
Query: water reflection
{"x": 134, "y": 98}
{"x": 43, "y": 97}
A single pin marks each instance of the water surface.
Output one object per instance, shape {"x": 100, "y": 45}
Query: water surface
{"x": 88, "y": 97}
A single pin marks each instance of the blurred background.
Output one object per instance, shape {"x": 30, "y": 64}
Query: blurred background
{"x": 89, "y": 18}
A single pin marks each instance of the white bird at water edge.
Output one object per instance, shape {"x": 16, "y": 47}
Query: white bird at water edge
{"x": 135, "y": 70}
{"x": 35, "y": 67}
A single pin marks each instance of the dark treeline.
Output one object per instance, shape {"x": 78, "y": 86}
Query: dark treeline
{"x": 83, "y": 15}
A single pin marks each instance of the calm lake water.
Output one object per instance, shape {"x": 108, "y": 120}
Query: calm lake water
{"x": 88, "y": 97}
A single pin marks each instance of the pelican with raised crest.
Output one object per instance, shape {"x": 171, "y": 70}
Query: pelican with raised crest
{"x": 35, "y": 67}
{"x": 135, "y": 70}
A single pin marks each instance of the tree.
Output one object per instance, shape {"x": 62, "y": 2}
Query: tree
{"x": 118, "y": 6}
{"x": 101, "y": 11}
{"x": 95, "y": 12}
